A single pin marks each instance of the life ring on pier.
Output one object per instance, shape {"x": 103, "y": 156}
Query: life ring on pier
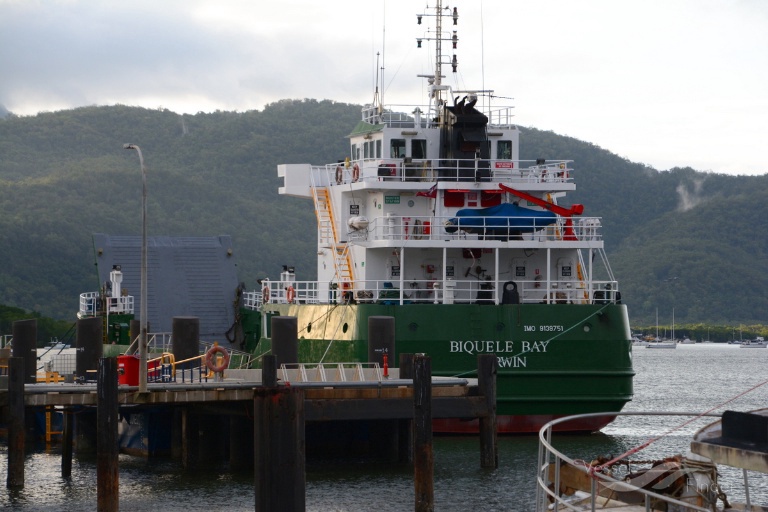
{"x": 339, "y": 175}
{"x": 355, "y": 172}
{"x": 265, "y": 294}
{"x": 211, "y": 360}
{"x": 289, "y": 294}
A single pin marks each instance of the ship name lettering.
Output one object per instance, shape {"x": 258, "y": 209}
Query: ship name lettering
{"x": 482, "y": 347}
{"x": 534, "y": 346}
{"x": 512, "y": 362}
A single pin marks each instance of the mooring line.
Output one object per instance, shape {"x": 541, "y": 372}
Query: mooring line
{"x": 646, "y": 444}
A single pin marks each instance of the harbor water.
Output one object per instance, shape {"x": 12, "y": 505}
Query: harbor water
{"x": 692, "y": 378}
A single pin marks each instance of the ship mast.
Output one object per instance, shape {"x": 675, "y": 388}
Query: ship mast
{"x": 436, "y": 80}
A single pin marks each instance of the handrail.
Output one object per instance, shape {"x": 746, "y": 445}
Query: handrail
{"x": 458, "y": 171}
{"x": 439, "y": 291}
{"x": 543, "y": 491}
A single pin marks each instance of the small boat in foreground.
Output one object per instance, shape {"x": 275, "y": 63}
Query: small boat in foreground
{"x": 684, "y": 482}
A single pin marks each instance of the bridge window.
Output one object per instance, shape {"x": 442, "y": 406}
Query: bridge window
{"x": 504, "y": 150}
{"x": 397, "y": 148}
{"x": 419, "y": 149}
{"x": 378, "y": 148}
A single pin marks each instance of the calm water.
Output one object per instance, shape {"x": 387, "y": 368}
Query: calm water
{"x": 691, "y": 378}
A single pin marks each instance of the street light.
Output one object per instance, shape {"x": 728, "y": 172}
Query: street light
{"x": 143, "y": 313}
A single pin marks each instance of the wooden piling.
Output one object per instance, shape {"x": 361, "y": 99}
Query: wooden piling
{"x": 423, "y": 456}
{"x": 185, "y": 339}
{"x": 67, "y": 437}
{"x": 16, "y": 376}
{"x": 269, "y": 371}
{"x": 285, "y": 341}
{"x": 25, "y": 346}
{"x": 405, "y": 426}
{"x": 279, "y": 450}
{"x": 90, "y": 346}
{"x": 107, "y": 473}
{"x": 486, "y": 383}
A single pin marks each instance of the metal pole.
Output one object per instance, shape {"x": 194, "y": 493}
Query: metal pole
{"x": 143, "y": 313}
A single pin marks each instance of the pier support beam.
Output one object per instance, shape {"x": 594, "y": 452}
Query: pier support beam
{"x": 486, "y": 383}
{"x": 190, "y": 439}
{"x": 240, "y": 443}
{"x": 423, "y": 456}
{"x": 67, "y": 436}
{"x": 108, "y": 476}
{"x": 16, "y": 375}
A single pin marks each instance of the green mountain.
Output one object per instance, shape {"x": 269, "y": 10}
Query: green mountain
{"x": 680, "y": 238}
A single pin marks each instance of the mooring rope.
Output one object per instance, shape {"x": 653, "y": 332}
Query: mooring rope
{"x": 646, "y": 444}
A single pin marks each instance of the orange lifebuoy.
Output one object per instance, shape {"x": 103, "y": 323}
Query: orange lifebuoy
{"x": 211, "y": 360}
{"x": 339, "y": 175}
{"x": 289, "y": 294}
{"x": 355, "y": 172}
{"x": 265, "y": 294}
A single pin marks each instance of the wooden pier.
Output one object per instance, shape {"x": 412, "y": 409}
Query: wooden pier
{"x": 264, "y": 409}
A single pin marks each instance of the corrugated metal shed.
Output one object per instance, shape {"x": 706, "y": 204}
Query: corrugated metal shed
{"x": 186, "y": 276}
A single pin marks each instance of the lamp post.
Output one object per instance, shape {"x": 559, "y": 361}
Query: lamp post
{"x": 143, "y": 313}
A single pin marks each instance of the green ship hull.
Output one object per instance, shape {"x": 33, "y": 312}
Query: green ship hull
{"x": 553, "y": 359}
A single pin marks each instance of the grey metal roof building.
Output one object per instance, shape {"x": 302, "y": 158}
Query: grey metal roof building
{"x": 186, "y": 276}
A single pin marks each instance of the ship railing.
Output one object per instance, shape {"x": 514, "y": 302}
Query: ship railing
{"x": 120, "y": 305}
{"x": 513, "y": 172}
{"x": 609, "y": 486}
{"x": 478, "y": 290}
{"x": 90, "y": 304}
{"x": 331, "y": 372}
{"x": 463, "y": 229}
{"x": 402, "y": 116}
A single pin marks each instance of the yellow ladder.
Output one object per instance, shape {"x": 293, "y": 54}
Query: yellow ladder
{"x": 342, "y": 259}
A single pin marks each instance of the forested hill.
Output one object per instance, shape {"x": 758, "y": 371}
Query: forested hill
{"x": 65, "y": 175}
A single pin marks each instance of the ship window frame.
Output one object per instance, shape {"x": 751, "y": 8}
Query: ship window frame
{"x": 397, "y": 148}
{"x": 421, "y": 145}
{"x": 506, "y": 153}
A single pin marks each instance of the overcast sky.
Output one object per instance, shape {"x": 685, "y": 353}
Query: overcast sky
{"x": 662, "y": 82}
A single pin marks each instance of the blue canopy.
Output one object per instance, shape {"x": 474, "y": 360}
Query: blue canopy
{"x": 506, "y": 219}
